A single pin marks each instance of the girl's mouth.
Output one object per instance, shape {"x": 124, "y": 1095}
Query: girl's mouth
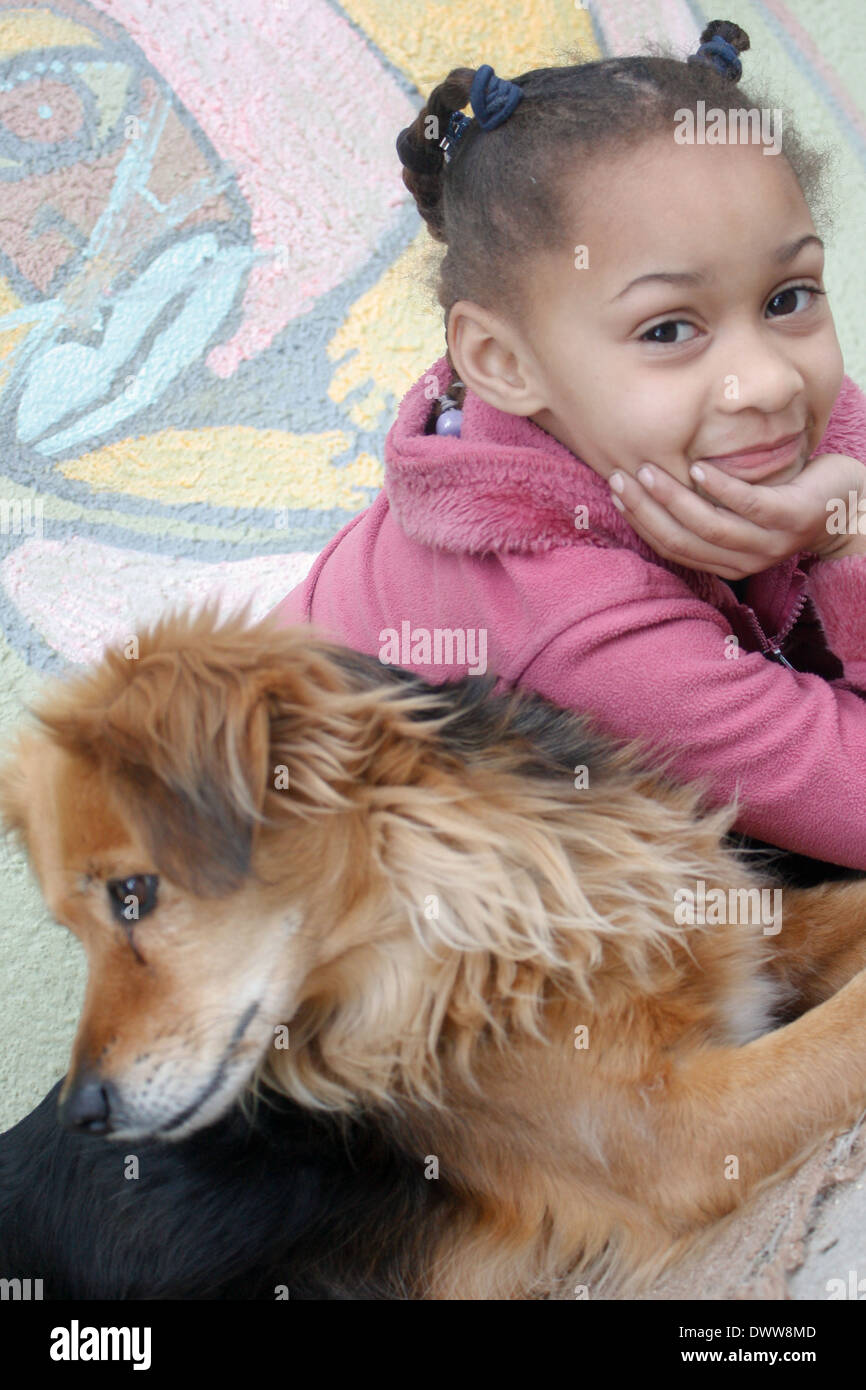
{"x": 760, "y": 463}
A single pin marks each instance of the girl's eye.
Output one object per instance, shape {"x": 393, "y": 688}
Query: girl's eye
{"x": 785, "y": 300}
{"x": 785, "y": 297}
{"x": 665, "y": 329}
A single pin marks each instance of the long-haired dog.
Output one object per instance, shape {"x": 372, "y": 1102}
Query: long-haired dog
{"x": 460, "y": 911}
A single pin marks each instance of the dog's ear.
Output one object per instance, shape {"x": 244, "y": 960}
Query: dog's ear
{"x": 184, "y": 753}
{"x": 198, "y": 794}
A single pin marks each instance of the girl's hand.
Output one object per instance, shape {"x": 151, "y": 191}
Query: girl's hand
{"x": 749, "y": 527}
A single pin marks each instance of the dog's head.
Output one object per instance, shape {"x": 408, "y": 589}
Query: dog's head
{"x": 189, "y": 809}
{"x": 251, "y": 832}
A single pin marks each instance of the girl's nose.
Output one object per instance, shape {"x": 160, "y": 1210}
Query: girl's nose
{"x": 759, "y": 373}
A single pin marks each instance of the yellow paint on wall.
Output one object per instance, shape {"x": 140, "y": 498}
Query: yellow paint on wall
{"x": 109, "y": 83}
{"x": 10, "y": 336}
{"x": 447, "y": 34}
{"x": 8, "y": 341}
{"x": 26, "y": 29}
{"x": 232, "y": 466}
{"x": 8, "y": 298}
{"x": 391, "y": 334}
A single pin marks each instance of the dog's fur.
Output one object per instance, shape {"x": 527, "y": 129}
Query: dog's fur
{"x": 413, "y": 879}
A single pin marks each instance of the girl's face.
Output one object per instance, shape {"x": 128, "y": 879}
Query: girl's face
{"x": 720, "y": 347}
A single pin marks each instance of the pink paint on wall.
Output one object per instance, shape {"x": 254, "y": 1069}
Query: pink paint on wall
{"x": 300, "y": 106}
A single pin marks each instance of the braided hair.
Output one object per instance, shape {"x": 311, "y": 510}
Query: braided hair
{"x": 497, "y": 200}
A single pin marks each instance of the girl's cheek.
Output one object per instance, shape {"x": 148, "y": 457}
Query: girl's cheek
{"x": 825, "y": 381}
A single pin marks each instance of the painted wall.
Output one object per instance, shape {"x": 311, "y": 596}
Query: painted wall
{"x": 211, "y": 303}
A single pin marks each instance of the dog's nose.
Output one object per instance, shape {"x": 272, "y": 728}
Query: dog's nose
{"x": 87, "y": 1106}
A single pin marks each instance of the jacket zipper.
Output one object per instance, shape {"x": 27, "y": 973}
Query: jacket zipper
{"x": 781, "y": 636}
{"x": 772, "y": 647}
{"x": 776, "y": 652}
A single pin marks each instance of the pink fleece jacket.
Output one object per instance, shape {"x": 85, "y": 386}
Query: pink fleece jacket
{"x": 509, "y": 538}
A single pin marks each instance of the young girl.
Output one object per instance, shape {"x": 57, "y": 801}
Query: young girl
{"x": 626, "y": 501}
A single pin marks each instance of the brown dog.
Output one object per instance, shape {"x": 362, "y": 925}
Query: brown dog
{"x": 473, "y": 916}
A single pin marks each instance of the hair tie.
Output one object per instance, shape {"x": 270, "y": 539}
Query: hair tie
{"x": 721, "y": 55}
{"x": 493, "y": 98}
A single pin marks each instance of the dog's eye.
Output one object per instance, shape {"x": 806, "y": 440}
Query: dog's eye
{"x": 132, "y": 898}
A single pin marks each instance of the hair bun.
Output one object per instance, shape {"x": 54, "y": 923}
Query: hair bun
{"x": 409, "y": 154}
{"x": 735, "y": 36}
{"x": 721, "y": 41}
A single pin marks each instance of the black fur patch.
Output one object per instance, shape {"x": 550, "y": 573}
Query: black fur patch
{"x": 331, "y": 1211}
{"x": 555, "y": 740}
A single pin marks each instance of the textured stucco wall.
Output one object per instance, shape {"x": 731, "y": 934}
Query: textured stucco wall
{"x": 211, "y": 303}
